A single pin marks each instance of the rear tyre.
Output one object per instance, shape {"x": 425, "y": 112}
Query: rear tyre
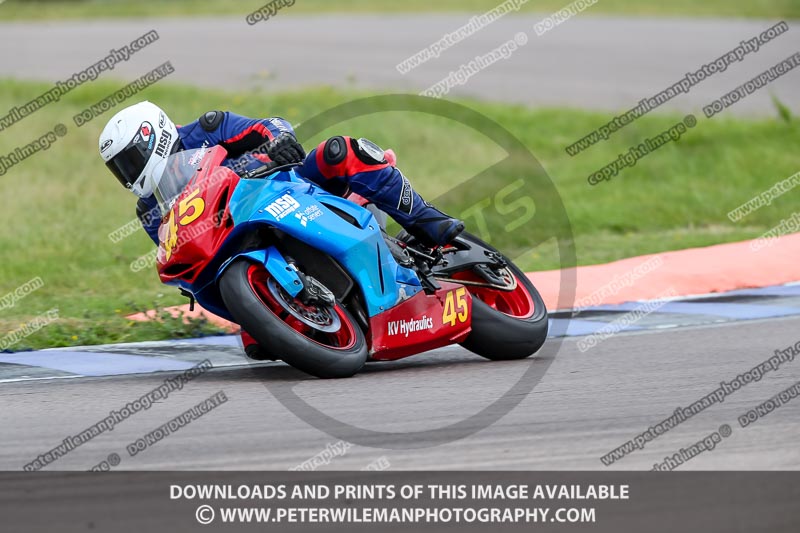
{"x": 506, "y": 325}
{"x": 321, "y": 340}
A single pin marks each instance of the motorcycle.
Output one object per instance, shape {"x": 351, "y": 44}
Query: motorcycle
{"x": 315, "y": 279}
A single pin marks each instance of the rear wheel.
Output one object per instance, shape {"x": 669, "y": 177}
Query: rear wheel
{"x": 319, "y": 339}
{"x": 508, "y": 323}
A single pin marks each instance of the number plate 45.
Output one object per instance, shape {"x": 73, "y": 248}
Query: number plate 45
{"x": 189, "y": 209}
{"x": 456, "y": 310}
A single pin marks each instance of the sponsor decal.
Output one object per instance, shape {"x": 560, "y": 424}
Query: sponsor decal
{"x": 145, "y": 135}
{"x": 404, "y": 327}
{"x": 406, "y": 203}
{"x": 162, "y": 119}
{"x": 145, "y": 130}
{"x": 163, "y": 143}
{"x": 199, "y": 154}
{"x": 283, "y": 206}
{"x": 281, "y": 125}
{"x": 106, "y": 145}
{"x": 310, "y": 213}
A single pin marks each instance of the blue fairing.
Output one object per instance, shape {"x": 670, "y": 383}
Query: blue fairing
{"x": 300, "y": 209}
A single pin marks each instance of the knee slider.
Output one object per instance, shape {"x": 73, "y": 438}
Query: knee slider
{"x": 368, "y": 152}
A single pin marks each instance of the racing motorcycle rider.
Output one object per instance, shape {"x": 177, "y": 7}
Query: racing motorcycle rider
{"x": 139, "y": 137}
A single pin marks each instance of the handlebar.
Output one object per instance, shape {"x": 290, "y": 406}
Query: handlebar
{"x": 268, "y": 169}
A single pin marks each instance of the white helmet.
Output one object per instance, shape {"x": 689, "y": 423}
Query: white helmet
{"x": 134, "y": 142}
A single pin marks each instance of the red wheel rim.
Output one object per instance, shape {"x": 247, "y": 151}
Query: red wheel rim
{"x": 517, "y": 303}
{"x": 342, "y": 339}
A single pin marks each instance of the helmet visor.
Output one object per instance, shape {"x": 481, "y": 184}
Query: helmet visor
{"x": 128, "y": 165}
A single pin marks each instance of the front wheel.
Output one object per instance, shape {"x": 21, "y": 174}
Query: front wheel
{"x": 509, "y": 323}
{"x": 318, "y": 339}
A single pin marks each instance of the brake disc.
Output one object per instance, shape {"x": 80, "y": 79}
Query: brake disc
{"x": 321, "y": 318}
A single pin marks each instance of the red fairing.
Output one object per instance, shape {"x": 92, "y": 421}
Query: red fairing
{"x": 357, "y": 199}
{"x": 421, "y": 323}
{"x": 199, "y": 221}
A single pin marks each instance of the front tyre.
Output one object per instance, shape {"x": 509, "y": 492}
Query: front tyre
{"x": 506, "y": 324}
{"x": 321, "y": 340}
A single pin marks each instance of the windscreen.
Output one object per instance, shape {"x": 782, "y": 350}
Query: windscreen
{"x": 172, "y": 175}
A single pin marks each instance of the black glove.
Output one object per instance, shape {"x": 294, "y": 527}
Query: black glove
{"x": 285, "y": 150}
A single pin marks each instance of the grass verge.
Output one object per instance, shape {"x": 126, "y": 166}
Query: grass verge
{"x": 61, "y": 9}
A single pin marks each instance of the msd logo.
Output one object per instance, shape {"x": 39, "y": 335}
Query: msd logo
{"x": 283, "y": 206}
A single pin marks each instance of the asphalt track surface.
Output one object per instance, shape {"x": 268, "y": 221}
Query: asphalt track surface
{"x": 591, "y": 62}
{"x": 582, "y": 406}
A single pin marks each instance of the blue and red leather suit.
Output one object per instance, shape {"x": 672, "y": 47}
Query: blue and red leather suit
{"x": 241, "y": 135}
